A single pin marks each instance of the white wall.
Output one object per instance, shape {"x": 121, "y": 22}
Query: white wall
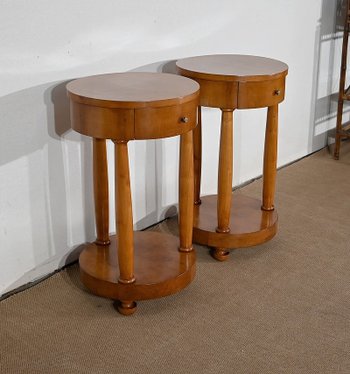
{"x": 46, "y": 207}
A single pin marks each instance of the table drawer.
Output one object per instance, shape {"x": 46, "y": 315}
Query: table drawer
{"x": 153, "y": 123}
{"x": 218, "y": 94}
{"x": 104, "y": 123}
{"x": 260, "y": 94}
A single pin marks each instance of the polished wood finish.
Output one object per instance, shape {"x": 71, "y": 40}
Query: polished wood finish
{"x": 225, "y": 172}
{"x": 197, "y": 157}
{"x": 270, "y": 159}
{"x": 159, "y": 268}
{"x": 232, "y": 68}
{"x": 250, "y": 225}
{"x": 123, "y": 107}
{"x": 101, "y": 197}
{"x": 108, "y": 114}
{"x": 186, "y": 192}
{"x": 218, "y": 94}
{"x": 224, "y": 180}
{"x": 342, "y": 131}
{"x": 123, "y": 213}
{"x": 153, "y": 123}
{"x": 232, "y": 82}
{"x": 260, "y": 94}
{"x": 132, "y": 90}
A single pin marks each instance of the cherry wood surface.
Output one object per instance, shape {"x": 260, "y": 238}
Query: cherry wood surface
{"x": 225, "y": 172}
{"x": 186, "y": 192}
{"x": 132, "y": 90}
{"x": 260, "y": 94}
{"x": 159, "y": 268}
{"x": 127, "y": 106}
{"x": 270, "y": 159}
{"x": 197, "y": 157}
{"x": 242, "y": 68}
{"x": 250, "y": 225}
{"x": 231, "y": 82}
{"x": 101, "y": 195}
{"x": 124, "y": 107}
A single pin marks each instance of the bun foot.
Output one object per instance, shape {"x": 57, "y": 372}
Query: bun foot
{"x": 220, "y": 254}
{"x": 126, "y": 308}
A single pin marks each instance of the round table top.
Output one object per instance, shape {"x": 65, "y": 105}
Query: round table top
{"x": 240, "y": 68}
{"x": 133, "y": 90}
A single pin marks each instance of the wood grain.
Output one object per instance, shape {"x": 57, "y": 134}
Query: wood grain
{"x": 260, "y": 94}
{"x": 270, "y": 159}
{"x": 186, "y": 192}
{"x": 123, "y": 212}
{"x": 155, "y": 123}
{"x": 132, "y": 90}
{"x": 160, "y": 269}
{"x": 225, "y": 172}
{"x": 242, "y": 68}
{"x": 232, "y": 82}
{"x": 101, "y": 196}
{"x": 197, "y": 157}
{"x": 250, "y": 225}
{"x": 123, "y": 107}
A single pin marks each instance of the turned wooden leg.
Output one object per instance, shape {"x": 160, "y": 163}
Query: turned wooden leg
{"x": 338, "y": 128}
{"x": 270, "y": 159}
{"x": 100, "y": 175}
{"x": 344, "y": 58}
{"x": 197, "y": 152}
{"x": 224, "y": 180}
{"x": 124, "y": 222}
{"x": 186, "y": 192}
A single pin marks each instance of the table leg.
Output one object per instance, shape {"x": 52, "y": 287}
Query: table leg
{"x": 100, "y": 175}
{"x": 270, "y": 159}
{"x": 124, "y": 222}
{"x": 225, "y": 180}
{"x": 197, "y": 152}
{"x": 338, "y": 128}
{"x": 186, "y": 192}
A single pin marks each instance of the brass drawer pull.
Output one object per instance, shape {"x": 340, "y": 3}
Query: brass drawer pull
{"x": 277, "y": 92}
{"x": 184, "y": 119}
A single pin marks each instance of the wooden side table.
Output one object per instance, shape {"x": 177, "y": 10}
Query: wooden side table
{"x": 232, "y": 82}
{"x": 126, "y": 106}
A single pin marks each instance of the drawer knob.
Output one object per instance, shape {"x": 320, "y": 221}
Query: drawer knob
{"x": 277, "y": 92}
{"x": 184, "y": 119}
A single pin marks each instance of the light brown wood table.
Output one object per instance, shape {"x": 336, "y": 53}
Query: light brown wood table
{"x": 131, "y": 265}
{"x": 225, "y": 221}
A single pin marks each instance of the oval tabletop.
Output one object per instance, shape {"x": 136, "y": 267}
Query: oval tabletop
{"x": 133, "y": 90}
{"x": 242, "y": 68}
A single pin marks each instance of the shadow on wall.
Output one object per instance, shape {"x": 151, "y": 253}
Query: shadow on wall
{"x": 328, "y": 41}
{"x": 48, "y": 177}
{"x": 35, "y": 193}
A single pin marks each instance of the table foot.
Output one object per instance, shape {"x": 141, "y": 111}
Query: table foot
{"x": 220, "y": 254}
{"x": 126, "y": 308}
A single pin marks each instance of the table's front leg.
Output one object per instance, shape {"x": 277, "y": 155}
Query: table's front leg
{"x": 270, "y": 159}
{"x": 225, "y": 180}
{"x": 101, "y": 198}
{"x": 124, "y": 222}
{"x": 186, "y": 192}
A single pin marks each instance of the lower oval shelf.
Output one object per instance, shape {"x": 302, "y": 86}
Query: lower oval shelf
{"x": 249, "y": 225}
{"x": 159, "y": 268}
